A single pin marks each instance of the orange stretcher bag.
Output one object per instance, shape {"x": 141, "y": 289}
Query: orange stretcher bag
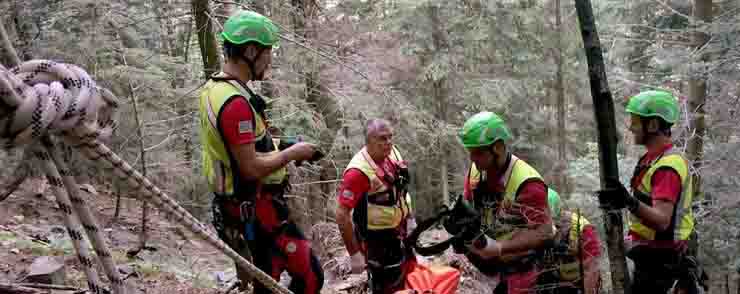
{"x": 434, "y": 279}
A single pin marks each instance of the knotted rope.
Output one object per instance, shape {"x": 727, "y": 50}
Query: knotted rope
{"x": 41, "y": 98}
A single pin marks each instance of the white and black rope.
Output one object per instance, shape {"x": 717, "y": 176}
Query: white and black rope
{"x": 40, "y": 98}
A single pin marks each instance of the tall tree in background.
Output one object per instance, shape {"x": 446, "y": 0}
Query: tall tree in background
{"x": 440, "y": 94}
{"x": 206, "y": 37}
{"x": 143, "y": 236}
{"x": 305, "y": 21}
{"x": 163, "y": 10}
{"x": 641, "y": 38}
{"x": 607, "y": 139}
{"x": 698, "y": 89}
{"x": 22, "y": 18}
{"x": 561, "y": 177}
{"x": 264, "y": 7}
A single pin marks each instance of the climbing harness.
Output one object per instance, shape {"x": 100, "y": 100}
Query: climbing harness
{"x": 48, "y": 102}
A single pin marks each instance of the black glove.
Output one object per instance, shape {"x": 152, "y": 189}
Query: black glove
{"x": 464, "y": 224}
{"x": 616, "y": 196}
{"x": 459, "y": 246}
{"x": 462, "y": 218}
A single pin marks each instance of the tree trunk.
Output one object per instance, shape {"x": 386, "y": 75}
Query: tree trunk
{"x": 12, "y": 182}
{"x": 317, "y": 95}
{"x": 562, "y": 165}
{"x": 262, "y": 7}
{"x": 604, "y": 112}
{"x": 182, "y": 42}
{"x": 440, "y": 93}
{"x": 425, "y": 205}
{"x": 444, "y": 156}
{"x": 143, "y": 237}
{"x": 10, "y": 56}
{"x": 166, "y": 26}
{"x": 267, "y": 87}
{"x": 636, "y": 61}
{"x": 94, "y": 38}
{"x": 727, "y": 282}
{"x": 21, "y": 18}
{"x": 316, "y": 92}
{"x": 184, "y": 105}
{"x": 698, "y": 94}
{"x": 117, "y": 211}
{"x": 206, "y": 37}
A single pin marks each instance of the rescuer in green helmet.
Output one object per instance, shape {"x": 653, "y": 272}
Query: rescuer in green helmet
{"x": 661, "y": 221}
{"x": 512, "y": 200}
{"x": 245, "y": 167}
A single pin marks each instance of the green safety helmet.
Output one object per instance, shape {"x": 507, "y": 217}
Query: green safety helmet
{"x": 553, "y": 200}
{"x": 483, "y": 129}
{"x": 655, "y": 103}
{"x": 249, "y": 26}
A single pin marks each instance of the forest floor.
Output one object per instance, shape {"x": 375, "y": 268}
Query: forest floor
{"x": 178, "y": 262}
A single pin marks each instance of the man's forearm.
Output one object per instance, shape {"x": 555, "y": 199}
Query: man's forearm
{"x": 347, "y": 231}
{"x": 254, "y": 165}
{"x": 654, "y": 217}
{"x": 270, "y": 162}
{"x": 267, "y": 163}
{"x": 527, "y": 240}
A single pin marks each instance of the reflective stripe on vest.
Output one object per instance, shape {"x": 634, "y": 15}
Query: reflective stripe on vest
{"x": 215, "y": 157}
{"x": 683, "y": 218}
{"x": 379, "y": 217}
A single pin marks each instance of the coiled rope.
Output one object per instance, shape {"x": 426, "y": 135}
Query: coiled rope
{"x": 42, "y": 98}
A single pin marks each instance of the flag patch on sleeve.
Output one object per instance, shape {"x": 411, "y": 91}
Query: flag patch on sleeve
{"x": 245, "y": 126}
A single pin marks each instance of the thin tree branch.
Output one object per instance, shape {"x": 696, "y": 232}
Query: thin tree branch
{"x": 49, "y": 286}
{"x": 15, "y": 289}
{"x": 10, "y": 52}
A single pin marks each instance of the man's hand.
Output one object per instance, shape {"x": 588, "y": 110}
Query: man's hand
{"x": 302, "y": 151}
{"x": 410, "y": 225}
{"x": 463, "y": 223}
{"x": 616, "y": 196}
{"x": 357, "y": 262}
{"x": 463, "y": 220}
{"x": 485, "y": 247}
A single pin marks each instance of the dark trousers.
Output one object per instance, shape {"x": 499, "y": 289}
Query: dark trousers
{"x": 659, "y": 270}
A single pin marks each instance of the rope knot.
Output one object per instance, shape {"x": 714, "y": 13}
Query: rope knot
{"x": 44, "y": 96}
